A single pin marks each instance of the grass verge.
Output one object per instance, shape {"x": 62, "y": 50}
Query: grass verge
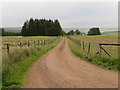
{"x": 105, "y": 62}
{"x": 17, "y": 63}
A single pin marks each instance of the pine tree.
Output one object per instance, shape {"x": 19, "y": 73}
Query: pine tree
{"x": 41, "y": 27}
{"x": 31, "y": 27}
{"x": 24, "y": 31}
{"x": 58, "y": 30}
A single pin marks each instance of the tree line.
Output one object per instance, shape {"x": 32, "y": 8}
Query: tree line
{"x": 92, "y": 31}
{"x": 74, "y": 32}
{"x": 41, "y": 27}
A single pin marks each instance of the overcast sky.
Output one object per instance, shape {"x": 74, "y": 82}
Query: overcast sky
{"x": 70, "y": 14}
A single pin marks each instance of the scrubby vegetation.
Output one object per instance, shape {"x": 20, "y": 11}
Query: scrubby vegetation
{"x": 19, "y": 60}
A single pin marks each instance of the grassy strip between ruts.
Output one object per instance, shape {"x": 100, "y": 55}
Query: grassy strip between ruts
{"x": 13, "y": 75}
{"x": 105, "y": 62}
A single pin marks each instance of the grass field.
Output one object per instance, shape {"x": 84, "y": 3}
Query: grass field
{"x": 95, "y": 40}
{"x": 14, "y": 72}
{"x": 17, "y": 39}
{"x": 105, "y": 61}
{"x": 19, "y": 60}
{"x": 14, "y": 41}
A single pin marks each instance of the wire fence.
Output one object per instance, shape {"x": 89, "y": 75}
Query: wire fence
{"x": 100, "y": 49}
{"x": 7, "y": 47}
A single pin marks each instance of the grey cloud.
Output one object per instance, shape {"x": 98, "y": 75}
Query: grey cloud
{"x": 77, "y": 14}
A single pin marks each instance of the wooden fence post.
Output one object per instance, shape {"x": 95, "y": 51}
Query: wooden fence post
{"x": 44, "y": 42}
{"x": 100, "y": 51}
{"x": 28, "y": 44}
{"x": 83, "y": 46}
{"x": 34, "y": 43}
{"x": 41, "y": 42}
{"x": 38, "y": 43}
{"x": 89, "y": 48}
{"x": 8, "y": 48}
{"x": 20, "y": 45}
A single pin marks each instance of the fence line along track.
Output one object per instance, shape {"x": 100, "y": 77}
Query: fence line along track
{"x": 29, "y": 44}
{"x": 81, "y": 44}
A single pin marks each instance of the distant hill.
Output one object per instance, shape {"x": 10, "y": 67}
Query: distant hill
{"x": 13, "y": 29}
{"x": 81, "y": 29}
{"x": 111, "y": 32}
{"x": 85, "y": 30}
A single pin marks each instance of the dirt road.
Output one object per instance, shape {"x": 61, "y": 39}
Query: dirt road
{"x": 59, "y": 68}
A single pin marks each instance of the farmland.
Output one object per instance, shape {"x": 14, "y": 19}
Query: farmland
{"x": 13, "y": 62}
{"x": 21, "y": 58}
{"x": 14, "y": 41}
{"x": 106, "y": 61}
{"x": 59, "y": 45}
{"x": 95, "y": 40}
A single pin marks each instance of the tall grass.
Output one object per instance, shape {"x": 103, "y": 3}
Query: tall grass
{"x": 16, "y": 64}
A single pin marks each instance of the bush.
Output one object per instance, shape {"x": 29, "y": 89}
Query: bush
{"x": 94, "y": 31}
